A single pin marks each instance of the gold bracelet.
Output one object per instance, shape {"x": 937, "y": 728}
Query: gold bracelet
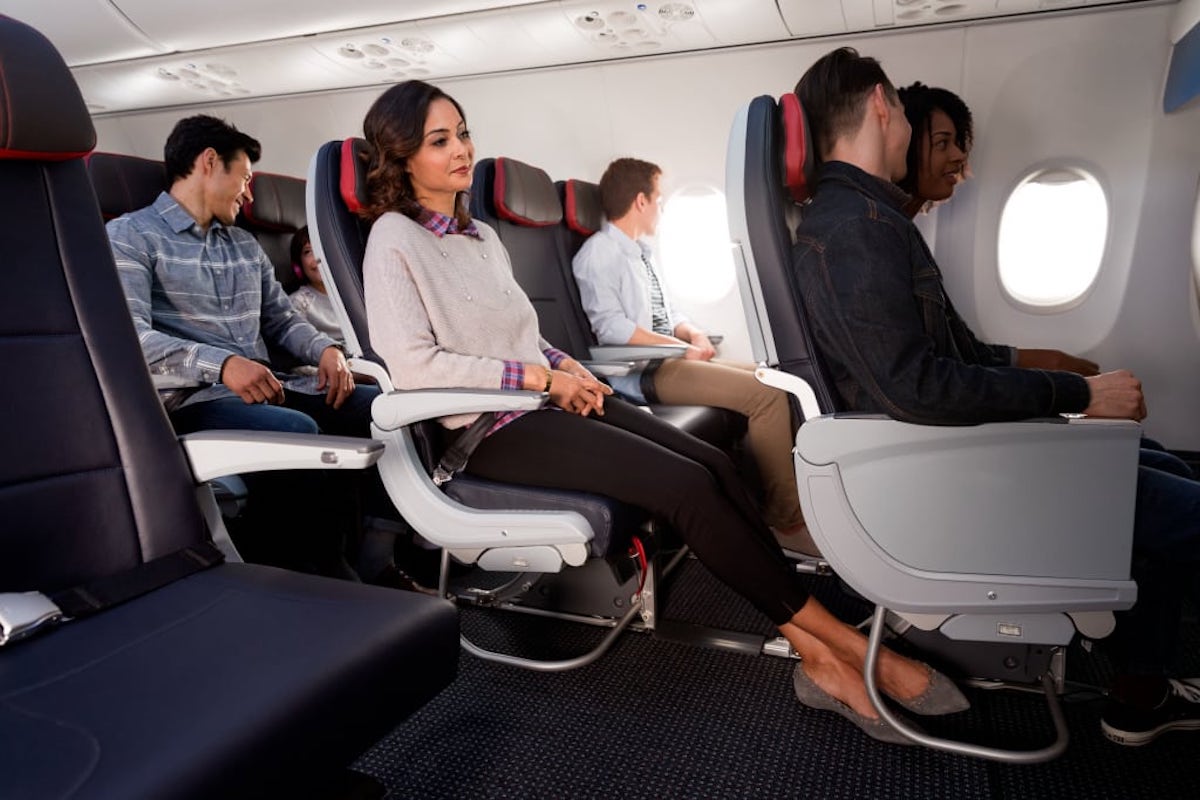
{"x": 549, "y": 379}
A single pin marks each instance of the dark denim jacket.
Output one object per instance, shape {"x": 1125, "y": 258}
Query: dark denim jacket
{"x": 889, "y": 336}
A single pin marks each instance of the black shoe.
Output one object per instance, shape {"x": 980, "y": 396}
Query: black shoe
{"x": 1134, "y": 726}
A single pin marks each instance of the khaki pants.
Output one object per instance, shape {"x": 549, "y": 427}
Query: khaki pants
{"x": 732, "y": 385}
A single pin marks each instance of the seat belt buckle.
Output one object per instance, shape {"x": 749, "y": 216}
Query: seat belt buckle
{"x": 23, "y": 614}
{"x": 442, "y": 475}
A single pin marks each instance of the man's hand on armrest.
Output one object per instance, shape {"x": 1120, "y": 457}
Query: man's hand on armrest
{"x": 251, "y": 381}
{"x": 1117, "y": 395}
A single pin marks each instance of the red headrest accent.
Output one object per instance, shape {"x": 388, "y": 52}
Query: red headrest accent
{"x": 583, "y": 213}
{"x": 352, "y": 183}
{"x": 278, "y": 203}
{"x": 42, "y": 114}
{"x": 525, "y": 195}
{"x": 798, "y": 157}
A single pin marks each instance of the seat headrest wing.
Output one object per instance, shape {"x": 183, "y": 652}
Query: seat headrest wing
{"x": 799, "y": 159}
{"x": 278, "y": 203}
{"x": 124, "y": 183}
{"x": 525, "y": 195}
{"x": 352, "y": 182}
{"x": 583, "y": 212}
{"x": 42, "y": 113}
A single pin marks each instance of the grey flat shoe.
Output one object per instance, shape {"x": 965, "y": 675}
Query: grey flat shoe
{"x": 813, "y": 696}
{"x": 941, "y": 696}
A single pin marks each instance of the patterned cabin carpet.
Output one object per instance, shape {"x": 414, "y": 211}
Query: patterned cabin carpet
{"x": 656, "y": 718}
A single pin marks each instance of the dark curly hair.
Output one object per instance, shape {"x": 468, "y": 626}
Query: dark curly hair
{"x": 920, "y": 101}
{"x": 191, "y": 136}
{"x": 395, "y": 129}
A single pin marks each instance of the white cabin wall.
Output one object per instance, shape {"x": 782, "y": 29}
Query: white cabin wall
{"x": 1087, "y": 90}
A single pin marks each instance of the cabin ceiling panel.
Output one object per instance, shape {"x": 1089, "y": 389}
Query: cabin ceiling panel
{"x": 92, "y": 32}
{"x": 818, "y": 17}
{"x": 153, "y": 55}
{"x": 174, "y": 24}
{"x": 210, "y": 77}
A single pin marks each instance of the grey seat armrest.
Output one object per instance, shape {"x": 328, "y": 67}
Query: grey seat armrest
{"x": 609, "y": 369}
{"x": 216, "y": 453}
{"x": 625, "y": 352}
{"x": 404, "y": 407}
{"x": 174, "y": 382}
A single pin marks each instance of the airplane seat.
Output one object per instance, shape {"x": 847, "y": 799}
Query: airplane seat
{"x": 531, "y": 532}
{"x": 134, "y": 663}
{"x": 969, "y": 538}
{"x": 124, "y": 183}
{"x": 522, "y": 204}
{"x": 582, "y": 213}
{"x": 273, "y": 216}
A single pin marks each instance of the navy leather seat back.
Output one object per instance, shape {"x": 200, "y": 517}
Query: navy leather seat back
{"x": 521, "y": 203}
{"x": 124, "y": 183}
{"x": 582, "y": 217}
{"x": 779, "y": 163}
{"x": 93, "y": 481}
{"x": 336, "y": 202}
{"x": 273, "y": 216}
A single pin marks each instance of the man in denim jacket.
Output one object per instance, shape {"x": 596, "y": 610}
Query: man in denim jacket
{"x": 894, "y": 344}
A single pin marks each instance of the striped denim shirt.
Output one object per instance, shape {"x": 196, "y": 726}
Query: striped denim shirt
{"x": 198, "y": 297}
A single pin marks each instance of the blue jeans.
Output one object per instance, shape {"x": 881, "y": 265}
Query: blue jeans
{"x": 1166, "y": 555}
{"x": 300, "y": 413}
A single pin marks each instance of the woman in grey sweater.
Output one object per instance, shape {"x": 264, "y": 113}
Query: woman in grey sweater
{"x": 444, "y": 310}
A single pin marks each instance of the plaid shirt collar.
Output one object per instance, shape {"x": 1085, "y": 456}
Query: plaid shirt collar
{"x": 439, "y": 224}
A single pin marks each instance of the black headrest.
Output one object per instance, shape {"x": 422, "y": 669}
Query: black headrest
{"x": 584, "y": 214}
{"x": 525, "y": 195}
{"x": 125, "y": 183}
{"x": 42, "y": 113}
{"x": 278, "y": 203}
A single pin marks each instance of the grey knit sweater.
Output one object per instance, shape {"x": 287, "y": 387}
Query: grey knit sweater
{"x": 445, "y": 312}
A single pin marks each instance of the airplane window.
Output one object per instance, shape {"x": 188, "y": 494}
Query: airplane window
{"x": 1052, "y": 235}
{"x": 693, "y": 244}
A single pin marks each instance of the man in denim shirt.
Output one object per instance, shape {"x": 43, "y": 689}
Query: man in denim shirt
{"x": 894, "y": 344}
{"x": 205, "y": 302}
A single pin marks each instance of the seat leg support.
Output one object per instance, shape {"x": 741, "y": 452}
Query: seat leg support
{"x": 562, "y": 665}
{"x": 1054, "y": 750}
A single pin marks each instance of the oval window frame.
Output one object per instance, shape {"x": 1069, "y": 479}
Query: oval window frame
{"x": 1089, "y": 173}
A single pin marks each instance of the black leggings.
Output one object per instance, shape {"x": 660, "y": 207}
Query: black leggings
{"x": 638, "y": 459}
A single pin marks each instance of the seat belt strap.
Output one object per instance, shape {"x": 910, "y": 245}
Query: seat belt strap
{"x": 455, "y": 458}
{"x": 24, "y": 613}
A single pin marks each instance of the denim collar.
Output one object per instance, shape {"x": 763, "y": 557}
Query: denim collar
{"x": 177, "y": 217}
{"x": 882, "y": 190}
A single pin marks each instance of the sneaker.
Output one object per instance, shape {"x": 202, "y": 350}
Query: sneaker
{"x": 1134, "y": 726}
